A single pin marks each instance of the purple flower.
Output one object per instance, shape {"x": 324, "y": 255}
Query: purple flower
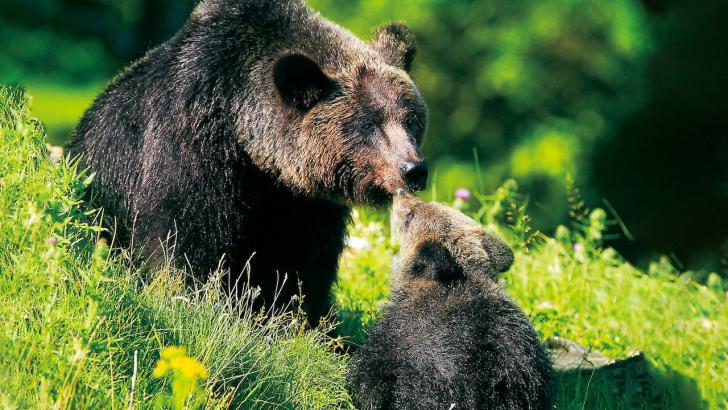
{"x": 462, "y": 194}
{"x": 52, "y": 240}
{"x": 578, "y": 247}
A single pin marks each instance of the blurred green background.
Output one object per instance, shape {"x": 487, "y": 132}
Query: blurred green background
{"x": 626, "y": 98}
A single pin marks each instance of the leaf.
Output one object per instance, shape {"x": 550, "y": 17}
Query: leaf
{"x": 89, "y": 179}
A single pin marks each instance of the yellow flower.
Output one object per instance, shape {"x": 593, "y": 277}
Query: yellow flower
{"x": 175, "y": 359}
{"x": 169, "y": 353}
{"x": 189, "y": 367}
{"x": 161, "y": 369}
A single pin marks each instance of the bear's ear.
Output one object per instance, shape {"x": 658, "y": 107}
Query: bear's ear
{"x": 300, "y": 82}
{"x": 501, "y": 256}
{"x": 434, "y": 261}
{"x": 395, "y": 42}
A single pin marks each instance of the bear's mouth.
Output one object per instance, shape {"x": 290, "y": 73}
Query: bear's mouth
{"x": 374, "y": 195}
{"x": 362, "y": 188}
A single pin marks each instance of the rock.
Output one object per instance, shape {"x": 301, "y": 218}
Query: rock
{"x": 571, "y": 357}
{"x": 54, "y": 153}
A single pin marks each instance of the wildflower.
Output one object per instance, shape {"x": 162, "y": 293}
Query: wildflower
{"x": 54, "y": 153}
{"x": 185, "y": 373}
{"x": 176, "y": 360}
{"x": 579, "y": 252}
{"x": 52, "y": 240}
{"x": 358, "y": 244}
{"x": 545, "y": 305}
{"x": 462, "y": 194}
{"x": 161, "y": 369}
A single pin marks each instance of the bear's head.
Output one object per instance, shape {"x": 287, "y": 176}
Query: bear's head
{"x": 440, "y": 243}
{"x": 353, "y": 116}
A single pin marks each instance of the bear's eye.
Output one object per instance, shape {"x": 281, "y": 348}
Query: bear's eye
{"x": 412, "y": 124}
{"x": 369, "y": 121}
{"x": 369, "y": 126}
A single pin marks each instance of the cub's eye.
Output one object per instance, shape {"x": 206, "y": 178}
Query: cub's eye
{"x": 408, "y": 218}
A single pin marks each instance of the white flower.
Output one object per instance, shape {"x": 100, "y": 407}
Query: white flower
{"x": 358, "y": 244}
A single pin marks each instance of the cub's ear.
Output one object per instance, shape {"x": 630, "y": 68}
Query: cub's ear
{"x": 396, "y": 44}
{"x": 300, "y": 82}
{"x": 434, "y": 261}
{"x": 501, "y": 256}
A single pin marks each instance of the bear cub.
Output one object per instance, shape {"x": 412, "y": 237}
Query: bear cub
{"x": 450, "y": 337}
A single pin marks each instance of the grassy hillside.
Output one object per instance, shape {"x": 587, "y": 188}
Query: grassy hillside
{"x": 82, "y": 328}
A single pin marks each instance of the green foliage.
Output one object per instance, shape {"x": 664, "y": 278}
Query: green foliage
{"x": 363, "y": 281}
{"x": 533, "y": 86}
{"x": 60, "y": 106}
{"x": 81, "y": 42}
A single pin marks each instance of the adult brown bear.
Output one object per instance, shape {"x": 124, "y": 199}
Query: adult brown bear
{"x": 251, "y": 132}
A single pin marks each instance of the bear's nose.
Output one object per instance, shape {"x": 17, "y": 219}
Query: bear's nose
{"x": 415, "y": 175}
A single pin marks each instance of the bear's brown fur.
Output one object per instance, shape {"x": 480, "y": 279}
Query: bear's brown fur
{"x": 251, "y": 132}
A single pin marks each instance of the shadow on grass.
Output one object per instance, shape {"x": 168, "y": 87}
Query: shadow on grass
{"x": 58, "y": 135}
{"x": 352, "y": 327}
{"x": 638, "y": 385}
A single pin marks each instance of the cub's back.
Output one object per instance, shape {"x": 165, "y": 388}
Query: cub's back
{"x": 468, "y": 345}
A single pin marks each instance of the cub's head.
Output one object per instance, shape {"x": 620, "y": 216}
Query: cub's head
{"x": 353, "y": 116}
{"x": 441, "y": 243}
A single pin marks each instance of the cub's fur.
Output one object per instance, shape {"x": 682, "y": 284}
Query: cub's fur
{"x": 449, "y": 338}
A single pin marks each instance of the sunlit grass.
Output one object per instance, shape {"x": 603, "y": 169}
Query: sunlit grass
{"x": 59, "y": 107}
{"x": 81, "y": 328}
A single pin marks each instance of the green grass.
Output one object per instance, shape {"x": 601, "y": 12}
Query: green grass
{"x": 83, "y": 328}
{"x": 60, "y": 106}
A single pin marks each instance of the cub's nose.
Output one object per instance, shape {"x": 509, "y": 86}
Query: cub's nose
{"x": 415, "y": 175}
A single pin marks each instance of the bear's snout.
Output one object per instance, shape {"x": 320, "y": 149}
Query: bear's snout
{"x": 414, "y": 175}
